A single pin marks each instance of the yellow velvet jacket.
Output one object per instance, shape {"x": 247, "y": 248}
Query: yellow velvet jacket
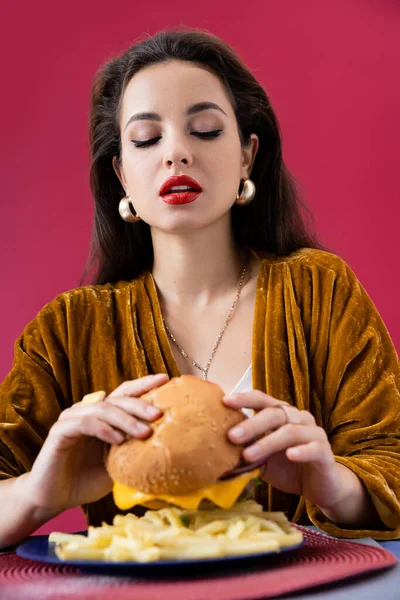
{"x": 318, "y": 343}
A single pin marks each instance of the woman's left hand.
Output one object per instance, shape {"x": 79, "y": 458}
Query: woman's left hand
{"x": 298, "y": 455}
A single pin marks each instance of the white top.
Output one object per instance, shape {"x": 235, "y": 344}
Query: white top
{"x": 245, "y": 385}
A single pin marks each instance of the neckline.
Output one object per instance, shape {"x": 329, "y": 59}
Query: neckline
{"x": 162, "y": 333}
{"x": 243, "y": 377}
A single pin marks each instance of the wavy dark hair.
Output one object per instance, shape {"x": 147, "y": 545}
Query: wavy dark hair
{"x": 276, "y": 221}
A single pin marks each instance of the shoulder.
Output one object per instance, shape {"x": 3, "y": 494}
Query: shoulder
{"x": 305, "y": 258}
{"x": 309, "y": 262}
{"x": 80, "y": 306}
{"x": 311, "y": 275}
{"x": 92, "y": 296}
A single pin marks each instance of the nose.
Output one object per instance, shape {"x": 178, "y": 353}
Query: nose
{"x": 177, "y": 153}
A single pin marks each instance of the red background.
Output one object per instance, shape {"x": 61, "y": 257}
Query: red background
{"x": 330, "y": 68}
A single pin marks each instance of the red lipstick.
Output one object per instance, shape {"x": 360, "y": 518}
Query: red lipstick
{"x": 180, "y": 189}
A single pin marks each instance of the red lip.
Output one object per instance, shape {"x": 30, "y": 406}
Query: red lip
{"x": 180, "y": 180}
{"x": 180, "y": 197}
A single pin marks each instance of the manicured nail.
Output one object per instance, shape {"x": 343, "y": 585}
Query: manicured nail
{"x": 152, "y": 411}
{"x": 294, "y": 452}
{"x": 253, "y": 452}
{"x": 141, "y": 427}
{"x": 231, "y": 397}
{"x": 237, "y": 432}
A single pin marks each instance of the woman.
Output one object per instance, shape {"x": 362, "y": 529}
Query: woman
{"x": 198, "y": 235}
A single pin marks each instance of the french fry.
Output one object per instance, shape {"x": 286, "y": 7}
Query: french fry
{"x": 174, "y": 533}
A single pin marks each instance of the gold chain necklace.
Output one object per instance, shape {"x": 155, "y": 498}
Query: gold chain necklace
{"x": 221, "y": 333}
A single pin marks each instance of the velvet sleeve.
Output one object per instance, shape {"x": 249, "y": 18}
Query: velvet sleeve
{"x": 34, "y": 392}
{"x": 361, "y": 401}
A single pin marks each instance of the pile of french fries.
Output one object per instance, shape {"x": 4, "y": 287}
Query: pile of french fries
{"x": 174, "y": 533}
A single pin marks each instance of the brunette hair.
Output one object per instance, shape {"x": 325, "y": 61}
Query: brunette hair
{"x": 276, "y": 221}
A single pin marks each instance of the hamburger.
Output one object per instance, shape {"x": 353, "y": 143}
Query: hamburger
{"x": 188, "y": 458}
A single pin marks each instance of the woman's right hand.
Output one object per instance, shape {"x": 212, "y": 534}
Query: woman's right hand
{"x": 69, "y": 469}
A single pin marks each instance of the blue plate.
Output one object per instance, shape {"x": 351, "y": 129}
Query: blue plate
{"x": 38, "y": 548}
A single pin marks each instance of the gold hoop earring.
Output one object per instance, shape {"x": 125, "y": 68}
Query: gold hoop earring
{"x": 125, "y": 210}
{"x": 247, "y": 194}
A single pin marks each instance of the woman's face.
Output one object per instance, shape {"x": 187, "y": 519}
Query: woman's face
{"x": 176, "y": 119}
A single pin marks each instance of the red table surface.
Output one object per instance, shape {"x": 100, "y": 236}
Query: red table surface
{"x": 322, "y": 560}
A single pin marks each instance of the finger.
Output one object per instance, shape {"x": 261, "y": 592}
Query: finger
{"x": 110, "y": 414}
{"x": 307, "y": 418}
{"x": 63, "y": 432}
{"x": 133, "y": 406}
{"x": 136, "y": 407}
{"x": 265, "y": 422}
{"x": 283, "y": 438}
{"x": 253, "y": 399}
{"x": 311, "y": 452}
{"x": 137, "y": 387}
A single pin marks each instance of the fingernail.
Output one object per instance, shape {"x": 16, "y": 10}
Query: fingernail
{"x": 252, "y": 452}
{"x": 237, "y": 432}
{"x": 152, "y": 411}
{"x": 231, "y": 397}
{"x": 141, "y": 427}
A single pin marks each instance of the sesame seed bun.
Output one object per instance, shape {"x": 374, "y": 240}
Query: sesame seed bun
{"x": 188, "y": 449}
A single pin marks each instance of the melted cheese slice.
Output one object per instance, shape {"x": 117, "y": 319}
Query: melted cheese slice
{"x": 224, "y": 494}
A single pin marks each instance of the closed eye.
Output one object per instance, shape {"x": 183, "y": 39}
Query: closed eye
{"x": 201, "y": 134}
{"x": 144, "y": 143}
{"x": 207, "y": 134}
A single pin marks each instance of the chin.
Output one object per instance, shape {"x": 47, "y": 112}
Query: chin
{"x": 181, "y": 222}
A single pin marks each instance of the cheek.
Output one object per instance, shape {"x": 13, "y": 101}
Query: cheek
{"x": 139, "y": 172}
{"x": 225, "y": 168}
{"x": 229, "y": 155}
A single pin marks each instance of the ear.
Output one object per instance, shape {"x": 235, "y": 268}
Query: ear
{"x": 249, "y": 154}
{"x": 119, "y": 173}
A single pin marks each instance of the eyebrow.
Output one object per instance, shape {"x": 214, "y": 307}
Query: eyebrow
{"x": 192, "y": 110}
